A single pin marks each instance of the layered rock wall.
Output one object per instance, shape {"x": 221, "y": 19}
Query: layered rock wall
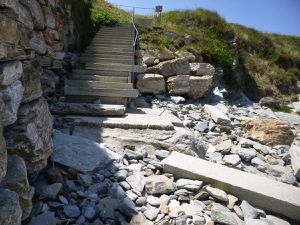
{"x": 35, "y": 38}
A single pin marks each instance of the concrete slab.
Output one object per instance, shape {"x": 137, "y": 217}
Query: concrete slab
{"x": 140, "y": 118}
{"x": 260, "y": 191}
{"x": 295, "y": 159}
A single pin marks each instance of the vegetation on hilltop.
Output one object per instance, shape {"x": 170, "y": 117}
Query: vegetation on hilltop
{"x": 269, "y": 63}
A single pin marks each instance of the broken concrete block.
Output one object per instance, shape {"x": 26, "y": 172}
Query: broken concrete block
{"x": 259, "y": 191}
{"x": 295, "y": 158}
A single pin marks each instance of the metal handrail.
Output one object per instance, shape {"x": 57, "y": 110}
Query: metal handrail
{"x": 135, "y": 31}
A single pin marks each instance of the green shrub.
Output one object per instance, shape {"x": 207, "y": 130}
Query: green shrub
{"x": 282, "y": 108}
{"x": 101, "y": 17}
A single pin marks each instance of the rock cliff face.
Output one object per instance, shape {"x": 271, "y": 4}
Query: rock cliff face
{"x": 34, "y": 38}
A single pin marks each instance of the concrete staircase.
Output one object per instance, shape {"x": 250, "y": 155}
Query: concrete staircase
{"x": 103, "y": 87}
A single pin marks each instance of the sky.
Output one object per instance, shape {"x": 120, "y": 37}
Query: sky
{"x": 273, "y": 16}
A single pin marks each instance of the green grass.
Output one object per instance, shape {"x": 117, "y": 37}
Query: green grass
{"x": 271, "y": 61}
{"x": 283, "y": 108}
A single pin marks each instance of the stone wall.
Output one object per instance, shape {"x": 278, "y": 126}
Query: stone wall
{"x": 35, "y": 38}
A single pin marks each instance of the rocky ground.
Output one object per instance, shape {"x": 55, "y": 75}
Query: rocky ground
{"x": 134, "y": 190}
{"x": 131, "y": 187}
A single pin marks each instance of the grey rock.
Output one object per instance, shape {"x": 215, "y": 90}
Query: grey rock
{"x": 217, "y": 193}
{"x": 277, "y": 221}
{"x": 3, "y": 155}
{"x": 46, "y": 218}
{"x": 191, "y": 209}
{"x": 89, "y": 212}
{"x": 249, "y": 221}
{"x": 130, "y": 154}
{"x": 198, "y": 220}
{"x": 79, "y": 153}
{"x": 295, "y": 159}
{"x": 38, "y": 45}
{"x": 10, "y": 72}
{"x": 249, "y": 211}
{"x": 191, "y": 185}
{"x": 49, "y": 18}
{"x": 246, "y": 154}
{"x": 127, "y": 207}
{"x": 10, "y": 209}
{"x": 151, "y": 213}
{"x": 137, "y": 181}
{"x": 186, "y": 55}
{"x": 232, "y": 160}
{"x": 50, "y": 192}
{"x": 141, "y": 201}
{"x": 84, "y": 179}
{"x": 152, "y": 200}
{"x": 115, "y": 191}
{"x": 288, "y": 178}
{"x": 162, "y": 154}
{"x": 121, "y": 175}
{"x": 71, "y": 211}
{"x": 173, "y": 67}
{"x": 151, "y": 83}
{"x": 159, "y": 184}
{"x": 10, "y": 99}
{"x": 269, "y": 102}
{"x": 201, "y": 127}
{"x": 31, "y": 80}
{"x": 217, "y": 115}
{"x": 202, "y": 69}
{"x": 36, "y": 13}
{"x": 16, "y": 180}
{"x": 222, "y": 215}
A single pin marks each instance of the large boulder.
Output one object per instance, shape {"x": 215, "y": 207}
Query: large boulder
{"x": 270, "y": 131}
{"x": 10, "y": 209}
{"x": 269, "y": 102}
{"x": 30, "y": 136}
{"x": 16, "y": 180}
{"x": 31, "y": 80}
{"x": 202, "y": 69}
{"x": 171, "y": 67}
{"x": 151, "y": 84}
{"x": 191, "y": 86}
{"x": 38, "y": 45}
{"x": 10, "y": 99}
{"x": 3, "y": 155}
{"x": 36, "y": 13}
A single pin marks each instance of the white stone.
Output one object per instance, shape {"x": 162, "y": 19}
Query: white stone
{"x": 295, "y": 159}
{"x": 217, "y": 115}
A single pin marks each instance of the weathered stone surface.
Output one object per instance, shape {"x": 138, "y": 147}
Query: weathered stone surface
{"x": 159, "y": 184}
{"x": 151, "y": 83}
{"x": 270, "y": 131}
{"x": 14, "y": 10}
{"x": 10, "y": 99}
{"x": 295, "y": 159}
{"x": 186, "y": 55}
{"x": 49, "y": 82}
{"x": 10, "y": 209}
{"x": 30, "y": 136}
{"x": 257, "y": 190}
{"x": 49, "y": 18}
{"x": 269, "y": 102}
{"x": 46, "y": 218}
{"x": 202, "y": 69}
{"x": 79, "y": 153}
{"x": 3, "y": 155}
{"x": 16, "y": 180}
{"x": 191, "y": 86}
{"x": 36, "y": 12}
{"x": 12, "y": 34}
{"x": 217, "y": 115}
{"x": 31, "y": 80}
{"x": 173, "y": 67}
{"x": 38, "y": 45}
{"x": 222, "y": 215}
{"x": 10, "y": 72}
{"x": 165, "y": 54}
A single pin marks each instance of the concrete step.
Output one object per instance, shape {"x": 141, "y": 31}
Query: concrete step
{"x": 114, "y": 36}
{"x": 99, "y": 78}
{"x": 110, "y": 92}
{"x": 109, "y": 49}
{"x": 100, "y": 73}
{"x": 114, "y": 46}
{"x": 106, "y": 60}
{"x": 97, "y": 84}
{"x": 112, "y": 39}
{"x": 108, "y": 56}
{"x": 116, "y": 67}
{"x": 96, "y": 99}
{"x": 259, "y": 191}
{"x": 66, "y": 108}
{"x": 108, "y": 52}
{"x": 116, "y": 33}
{"x": 109, "y": 42}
